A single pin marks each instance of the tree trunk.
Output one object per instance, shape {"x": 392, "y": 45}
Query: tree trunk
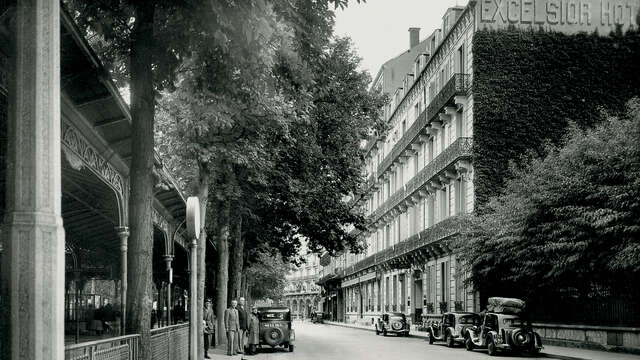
{"x": 203, "y": 196}
{"x": 222, "y": 278}
{"x": 222, "y": 240}
{"x": 140, "y": 250}
{"x": 237, "y": 252}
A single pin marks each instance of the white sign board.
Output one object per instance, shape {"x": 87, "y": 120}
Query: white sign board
{"x": 193, "y": 217}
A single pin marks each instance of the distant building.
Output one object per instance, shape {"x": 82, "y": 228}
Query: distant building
{"x": 301, "y": 293}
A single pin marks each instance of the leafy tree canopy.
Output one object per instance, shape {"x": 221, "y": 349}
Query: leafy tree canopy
{"x": 569, "y": 220}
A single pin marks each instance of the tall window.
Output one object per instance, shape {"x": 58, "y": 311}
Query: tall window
{"x": 387, "y": 238}
{"x": 430, "y": 210}
{"x": 395, "y": 292}
{"x": 387, "y": 290}
{"x": 461, "y": 62}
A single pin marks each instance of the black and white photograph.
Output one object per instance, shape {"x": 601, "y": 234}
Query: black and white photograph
{"x": 319, "y": 179}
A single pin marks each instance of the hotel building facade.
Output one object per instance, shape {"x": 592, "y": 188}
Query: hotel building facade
{"x": 422, "y": 174}
{"x": 302, "y": 294}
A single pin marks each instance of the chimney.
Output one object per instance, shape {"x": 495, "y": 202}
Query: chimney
{"x": 414, "y": 36}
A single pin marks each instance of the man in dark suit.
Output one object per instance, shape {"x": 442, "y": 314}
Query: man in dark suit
{"x": 232, "y": 327}
{"x": 209, "y": 328}
{"x": 242, "y": 316}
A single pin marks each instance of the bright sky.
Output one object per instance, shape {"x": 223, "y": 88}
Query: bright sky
{"x": 379, "y": 28}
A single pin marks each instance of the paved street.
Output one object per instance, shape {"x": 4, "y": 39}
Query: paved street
{"x": 326, "y": 342}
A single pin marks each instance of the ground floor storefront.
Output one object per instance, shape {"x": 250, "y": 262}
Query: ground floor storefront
{"x": 422, "y": 292}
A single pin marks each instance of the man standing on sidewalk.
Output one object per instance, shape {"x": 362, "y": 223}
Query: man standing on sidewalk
{"x": 232, "y": 327}
{"x": 242, "y": 316}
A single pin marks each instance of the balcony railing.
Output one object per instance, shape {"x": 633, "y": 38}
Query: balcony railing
{"x": 459, "y": 84}
{"x": 444, "y": 229}
{"x": 459, "y": 149}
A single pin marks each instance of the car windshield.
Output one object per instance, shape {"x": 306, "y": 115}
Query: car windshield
{"x": 514, "y": 322}
{"x": 469, "y": 320}
{"x": 273, "y": 316}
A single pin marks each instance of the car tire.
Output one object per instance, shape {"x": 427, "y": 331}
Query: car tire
{"x": 468, "y": 344}
{"x": 430, "y": 338}
{"x": 492, "y": 350}
{"x": 272, "y": 340}
{"x": 290, "y": 348}
{"x": 450, "y": 342}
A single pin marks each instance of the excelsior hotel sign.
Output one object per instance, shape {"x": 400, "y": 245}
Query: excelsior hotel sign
{"x": 569, "y": 16}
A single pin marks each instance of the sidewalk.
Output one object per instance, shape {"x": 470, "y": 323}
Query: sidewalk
{"x": 220, "y": 352}
{"x": 549, "y": 351}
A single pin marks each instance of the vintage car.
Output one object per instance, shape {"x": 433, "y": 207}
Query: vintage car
{"x": 317, "y": 317}
{"x": 503, "y": 332}
{"x": 452, "y": 328}
{"x": 275, "y": 327}
{"x": 392, "y": 323}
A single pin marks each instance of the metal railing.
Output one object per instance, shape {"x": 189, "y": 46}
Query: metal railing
{"x": 441, "y": 230}
{"x": 459, "y": 84}
{"x": 459, "y": 149}
{"x": 117, "y": 348}
{"x": 167, "y": 343}
{"x": 170, "y": 342}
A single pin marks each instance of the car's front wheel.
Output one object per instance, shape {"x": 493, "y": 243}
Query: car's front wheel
{"x": 450, "y": 342}
{"x": 468, "y": 344}
{"x": 491, "y": 348}
{"x": 290, "y": 348}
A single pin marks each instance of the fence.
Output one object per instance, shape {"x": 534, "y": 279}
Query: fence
{"x": 118, "y": 348}
{"x": 170, "y": 342}
{"x": 603, "y": 312}
{"x": 167, "y": 343}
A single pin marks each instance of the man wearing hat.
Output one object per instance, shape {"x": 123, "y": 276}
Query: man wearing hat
{"x": 209, "y": 327}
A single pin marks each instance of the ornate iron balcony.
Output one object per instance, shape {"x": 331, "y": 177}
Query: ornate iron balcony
{"x": 444, "y": 229}
{"x": 459, "y": 84}
{"x": 459, "y": 149}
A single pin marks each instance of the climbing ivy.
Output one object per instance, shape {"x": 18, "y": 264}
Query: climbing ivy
{"x": 529, "y": 85}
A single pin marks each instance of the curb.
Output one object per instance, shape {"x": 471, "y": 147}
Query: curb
{"x": 372, "y": 330}
{"x": 542, "y": 354}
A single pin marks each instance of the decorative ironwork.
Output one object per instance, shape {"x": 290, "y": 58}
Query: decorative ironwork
{"x": 160, "y": 221}
{"x": 464, "y": 22}
{"x": 75, "y": 142}
{"x": 431, "y": 236}
{"x": 459, "y": 149}
{"x": 459, "y": 84}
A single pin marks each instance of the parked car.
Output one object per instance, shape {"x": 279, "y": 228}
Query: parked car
{"x": 503, "y": 332}
{"x": 452, "y": 328}
{"x": 395, "y": 323}
{"x": 275, "y": 327}
{"x": 317, "y": 317}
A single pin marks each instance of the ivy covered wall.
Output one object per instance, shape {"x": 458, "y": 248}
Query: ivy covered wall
{"x": 528, "y": 85}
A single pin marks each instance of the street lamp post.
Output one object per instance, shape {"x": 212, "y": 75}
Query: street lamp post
{"x": 193, "y": 231}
